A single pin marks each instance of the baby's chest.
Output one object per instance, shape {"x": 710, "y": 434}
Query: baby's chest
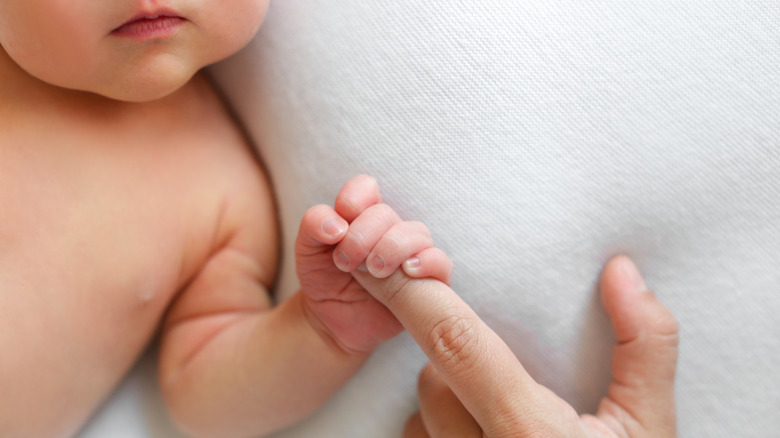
{"x": 93, "y": 250}
{"x": 88, "y": 263}
{"x": 101, "y": 224}
{"x": 99, "y": 229}
{"x": 86, "y": 274}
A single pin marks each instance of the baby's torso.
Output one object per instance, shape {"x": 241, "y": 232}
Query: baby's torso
{"x": 105, "y": 216}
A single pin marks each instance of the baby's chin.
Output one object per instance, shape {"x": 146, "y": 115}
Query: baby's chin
{"x": 143, "y": 86}
{"x": 145, "y": 90}
{"x": 143, "y": 81}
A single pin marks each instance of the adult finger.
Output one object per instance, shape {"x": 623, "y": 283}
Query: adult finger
{"x": 400, "y": 242}
{"x": 431, "y": 262}
{"x": 641, "y": 394}
{"x": 362, "y": 236}
{"x": 415, "y": 428}
{"x": 440, "y": 410}
{"x": 357, "y": 194}
{"x": 476, "y": 364}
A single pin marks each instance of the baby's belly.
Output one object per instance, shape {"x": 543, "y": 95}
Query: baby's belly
{"x": 66, "y": 343}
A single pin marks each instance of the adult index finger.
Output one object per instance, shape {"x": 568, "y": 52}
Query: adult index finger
{"x": 479, "y": 367}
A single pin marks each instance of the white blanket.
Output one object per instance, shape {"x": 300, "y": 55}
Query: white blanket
{"x": 536, "y": 139}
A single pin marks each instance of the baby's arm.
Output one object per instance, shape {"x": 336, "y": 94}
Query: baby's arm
{"x": 232, "y": 366}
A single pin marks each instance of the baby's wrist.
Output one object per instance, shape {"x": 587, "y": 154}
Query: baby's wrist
{"x": 328, "y": 334}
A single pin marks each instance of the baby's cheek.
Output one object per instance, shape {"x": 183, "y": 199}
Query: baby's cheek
{"x": 231, "y": 29}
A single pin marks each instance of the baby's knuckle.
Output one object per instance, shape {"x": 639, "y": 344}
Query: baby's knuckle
{"x": 313, "y": 213}
{"x": 393, "y": 242}
{"x": 355, "y": 242}
{"x": 365, "y": 179}
{"x": 418, "y": 232}
{"x": 420, "y": 227}
{"x": 383, "y": 209}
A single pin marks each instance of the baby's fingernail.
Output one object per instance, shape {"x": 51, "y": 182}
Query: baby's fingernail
{"x": 341, "y": 260}
{"x": 412, "y": 264}
{"x": 362, "y": 268}
{"x": 334, "y": 226}
{"x": 376, "y": 264}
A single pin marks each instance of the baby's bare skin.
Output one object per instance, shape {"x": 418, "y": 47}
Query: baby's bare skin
{"x": 122, "y": 220}
{"x": 108, "y": 210}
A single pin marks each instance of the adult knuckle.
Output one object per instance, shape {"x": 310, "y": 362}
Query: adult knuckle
{"x": 664, "y": 325}
{"x": 668, "y": 324}
{"x": 397, "y": 286}
{"x": 664, "y": 342}
{"x": 454, "y": 342}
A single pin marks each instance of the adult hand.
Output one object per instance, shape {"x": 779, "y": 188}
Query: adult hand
{"x": 476, "y": 387}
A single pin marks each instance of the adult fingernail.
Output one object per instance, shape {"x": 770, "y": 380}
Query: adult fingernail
{"x": 334, "y": 226}
{"x": 632, "y": 275}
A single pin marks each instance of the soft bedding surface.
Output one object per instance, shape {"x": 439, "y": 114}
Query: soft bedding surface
{"x": 536, "y": 139}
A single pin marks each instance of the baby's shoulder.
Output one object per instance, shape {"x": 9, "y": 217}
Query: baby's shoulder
{"x": 182, "y": 160}
{"x": 210, "y": 140}
{"x": 228, "y": 167}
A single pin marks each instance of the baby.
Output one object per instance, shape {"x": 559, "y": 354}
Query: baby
{"x": 132, "y": 205}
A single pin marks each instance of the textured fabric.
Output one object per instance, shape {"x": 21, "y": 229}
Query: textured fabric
{"x": 536, "y": 139}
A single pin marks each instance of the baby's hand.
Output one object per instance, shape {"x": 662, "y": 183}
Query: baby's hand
{"x": 361, "y": 233}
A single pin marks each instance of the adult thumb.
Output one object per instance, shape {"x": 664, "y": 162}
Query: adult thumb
{"x": 641, "y": 394}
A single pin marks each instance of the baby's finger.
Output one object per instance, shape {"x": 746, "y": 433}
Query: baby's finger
{"x": 321, "y": 228}
{"x": 357, "y": 194}
{"x": 363, "y": 235}
{"x": 431, "y": 263}
{"x": 400, "y": 242}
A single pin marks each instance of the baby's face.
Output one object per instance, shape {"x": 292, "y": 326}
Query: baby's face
{"x": 136, "y": 50}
